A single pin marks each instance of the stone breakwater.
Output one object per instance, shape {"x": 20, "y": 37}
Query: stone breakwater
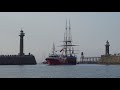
{"x": 17, "y": 60}
{"x": 109, "y": 59}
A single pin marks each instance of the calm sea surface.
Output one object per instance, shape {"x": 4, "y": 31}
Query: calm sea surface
{"x": 60, "y": 71}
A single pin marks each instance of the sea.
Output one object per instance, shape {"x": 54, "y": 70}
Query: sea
{"x": 60, "y": 71}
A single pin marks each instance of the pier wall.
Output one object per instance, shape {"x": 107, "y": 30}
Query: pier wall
{"x": 109, "y": 59}
{"x": 17, "y": 60}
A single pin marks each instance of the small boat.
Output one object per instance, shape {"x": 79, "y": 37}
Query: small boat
{"x": 53, "y": 58}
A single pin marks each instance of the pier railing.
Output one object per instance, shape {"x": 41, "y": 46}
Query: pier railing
{"x": 89, "y": 60}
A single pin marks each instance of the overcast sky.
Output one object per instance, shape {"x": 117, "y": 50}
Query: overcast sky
{"x": 90, "y": 30}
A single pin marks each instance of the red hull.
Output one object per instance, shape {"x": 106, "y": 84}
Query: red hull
{"x": 53, "y": 61}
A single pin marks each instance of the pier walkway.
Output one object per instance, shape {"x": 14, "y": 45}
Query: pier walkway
{"x": 89, "y": 60}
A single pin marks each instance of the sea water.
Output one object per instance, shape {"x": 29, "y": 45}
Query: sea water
{"x": 60, "y": 71}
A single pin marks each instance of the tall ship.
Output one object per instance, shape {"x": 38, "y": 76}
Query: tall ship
{"x": 21, "y": 58}
{"x": 67, "y": 56}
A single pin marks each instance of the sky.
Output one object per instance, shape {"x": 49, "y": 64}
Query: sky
{"x": 90, "y": 30}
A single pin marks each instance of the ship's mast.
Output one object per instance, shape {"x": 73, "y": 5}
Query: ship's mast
{"x": 69, "y": 38}
{"x": 66, "y": 41}
{"x": 69, "y": 30}
{"x": 68, "y": 47}
{"x": 53, "y": 49}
